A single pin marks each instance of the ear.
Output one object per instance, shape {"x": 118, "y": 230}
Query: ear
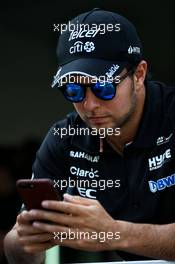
{"x": 140, "y": 73}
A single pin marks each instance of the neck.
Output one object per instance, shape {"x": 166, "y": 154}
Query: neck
{"x": 129, "y": 130}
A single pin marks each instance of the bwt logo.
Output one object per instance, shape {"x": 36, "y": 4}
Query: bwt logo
{"x": 158, "y": 161}
{"x": 161, "y": 184}
{"x": 79, "y": 46}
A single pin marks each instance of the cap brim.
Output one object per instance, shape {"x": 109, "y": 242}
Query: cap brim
{"x": 94, "y": 68}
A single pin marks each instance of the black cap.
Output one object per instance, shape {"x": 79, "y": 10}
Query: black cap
{"x": 97, "y": 43}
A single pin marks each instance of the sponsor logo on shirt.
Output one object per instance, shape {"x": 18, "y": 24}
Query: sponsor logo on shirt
{"x": 90, "y": 193}
{"x": 162, "y": 140}
{"x": 161, "y": 184}
{"x": 83, "y": 155}
{"x": 158, "y": 161}
{"x": 84, "y": 173}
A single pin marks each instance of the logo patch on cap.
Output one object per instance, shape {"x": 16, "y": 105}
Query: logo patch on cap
{"x": 56, "y": 77}
{"x": 133, "y": 50}
{"x": 79, "y": 46}
{"x": 82, "y": 33}
{"x": 89, "y": 46}
{"x": 112, "y": 70}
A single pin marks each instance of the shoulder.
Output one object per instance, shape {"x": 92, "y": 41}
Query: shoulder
{"x": 58, "y": 134}
{"x": 51, "y": 155}
{"x": 166, "y": 92}
{"x": 163, "y": 93}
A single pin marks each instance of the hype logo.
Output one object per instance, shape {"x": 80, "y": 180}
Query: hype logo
{"x": 158, "y": 161}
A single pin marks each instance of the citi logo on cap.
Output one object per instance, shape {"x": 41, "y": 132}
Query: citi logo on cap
{"x": 79, "y": 46}
{"x": 133, "y": 50}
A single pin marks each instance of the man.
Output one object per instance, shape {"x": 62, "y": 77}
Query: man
{"x": 125, "y": 156}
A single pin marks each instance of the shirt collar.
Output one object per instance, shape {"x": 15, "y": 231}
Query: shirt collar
{"x": 149, "y": 128}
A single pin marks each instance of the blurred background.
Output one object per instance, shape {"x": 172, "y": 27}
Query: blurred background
{"x": 28, "y": 62}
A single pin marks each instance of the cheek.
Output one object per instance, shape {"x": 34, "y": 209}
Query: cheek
{"x": 78, "y": 107}
{"x": 123, "y": 97}
{"x": 117, "y": 104}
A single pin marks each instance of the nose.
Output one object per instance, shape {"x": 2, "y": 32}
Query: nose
{"x": 90, "y": 102}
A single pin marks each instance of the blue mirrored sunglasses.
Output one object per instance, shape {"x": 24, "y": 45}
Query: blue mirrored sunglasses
{"x": 76, "y": 92}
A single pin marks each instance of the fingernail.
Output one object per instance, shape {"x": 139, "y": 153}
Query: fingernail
{"x": 36, "y": 224}
{"x": 45, "y": 203}
{"x": 67, "y": 196}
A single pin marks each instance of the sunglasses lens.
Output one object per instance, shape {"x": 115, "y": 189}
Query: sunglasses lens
{"x": 74, "y": 92}
{"x": 104, "y": 90}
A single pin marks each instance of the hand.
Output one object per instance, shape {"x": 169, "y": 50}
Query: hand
{"x": 32, "y": 239}
{"x": 78, "y": 222}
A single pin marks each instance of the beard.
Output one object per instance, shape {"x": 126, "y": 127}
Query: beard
{"x": 127, "y": 117}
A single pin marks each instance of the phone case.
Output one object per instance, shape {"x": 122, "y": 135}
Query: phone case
{"x": 33, "y": 192}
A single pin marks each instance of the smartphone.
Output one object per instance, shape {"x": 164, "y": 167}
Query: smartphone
{"x": 33, "y": 192}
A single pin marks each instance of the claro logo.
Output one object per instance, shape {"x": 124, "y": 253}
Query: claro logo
{"x": 84, "y": 173}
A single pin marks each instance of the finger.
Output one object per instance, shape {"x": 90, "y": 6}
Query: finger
{"x": 28, "y": 217}
{"x": 38, "y": 248}
{"x": 23, "y": 218}
{"x": 47, "y": 215}
{"x": 64, "y": 207}
{"x": 78, "y": 199}
{"x": 50, "y": 228}
{"x": 35, "y": 239}
{"x": 24, "y": 230}
{"x": 66, "y": 243}
{"x": 61, "y": 219}
{"x": 76, "y": 244}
